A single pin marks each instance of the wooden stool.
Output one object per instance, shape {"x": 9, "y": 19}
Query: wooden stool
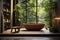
{"x": 15, "y": 28}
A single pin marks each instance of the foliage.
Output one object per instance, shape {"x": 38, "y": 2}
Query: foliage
{"x": 44, "y": 12}
{"x": 53, "y": 29}
{"x": 31, "y": 14}
{"x": 31, "y": 3}
{"x": 26, "y": 10}
{"x": 19, "y": 12}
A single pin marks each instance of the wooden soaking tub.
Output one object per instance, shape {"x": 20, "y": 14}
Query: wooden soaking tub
{"x": 34, "y": 27}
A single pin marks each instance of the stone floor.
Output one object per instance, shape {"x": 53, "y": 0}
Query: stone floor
{"x": 29, "y": 38}
{"x": 24, "y": 31}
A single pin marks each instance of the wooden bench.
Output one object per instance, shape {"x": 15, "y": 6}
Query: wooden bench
{"x": 16, "y": 29}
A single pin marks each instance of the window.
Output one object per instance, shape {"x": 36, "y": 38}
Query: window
{"x": 35, "y": 11}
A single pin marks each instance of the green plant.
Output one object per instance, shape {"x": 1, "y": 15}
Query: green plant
{"x": 16, "y": 10}
{"x": 45, "y": 12}
{"x": 19, "y": 12}
{"x": 53, "y": 29}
